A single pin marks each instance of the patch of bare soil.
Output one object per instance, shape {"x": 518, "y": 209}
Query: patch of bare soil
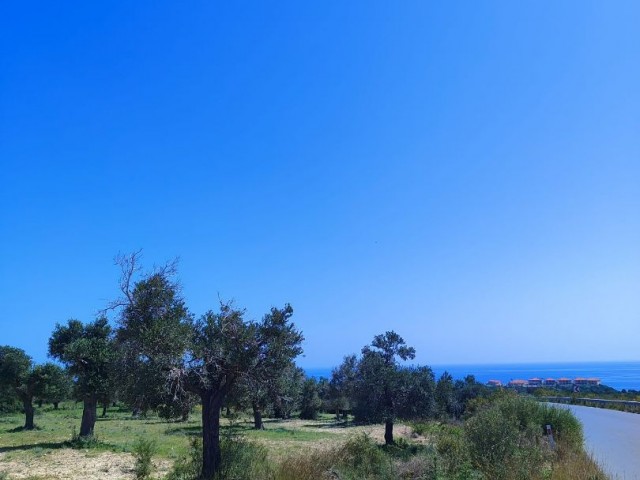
{"x": 69, "y": 464}
{"x": 279, "y": 448}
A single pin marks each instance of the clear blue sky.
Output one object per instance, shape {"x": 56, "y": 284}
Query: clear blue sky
{"x": 465, "y": 173}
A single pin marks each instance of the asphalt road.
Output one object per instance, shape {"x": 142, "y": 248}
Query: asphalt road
{"x": 613, "y": 438}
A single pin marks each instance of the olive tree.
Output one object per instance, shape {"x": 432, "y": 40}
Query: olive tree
{"x": 57, "y": 384}
{"x": 384, "y": 390}
{"x": 18, "y": 374}
{"x": 224, "y": 349}
{"x": 88, "y": 352}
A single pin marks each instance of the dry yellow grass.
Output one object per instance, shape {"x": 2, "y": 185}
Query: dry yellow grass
{"x": 66, "y": 463}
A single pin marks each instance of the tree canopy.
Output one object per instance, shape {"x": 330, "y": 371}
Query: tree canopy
{"x": 88, "y": 352}
{"x": 18, "y": 374}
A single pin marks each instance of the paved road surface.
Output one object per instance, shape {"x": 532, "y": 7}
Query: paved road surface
{"x": 614, "y": 439}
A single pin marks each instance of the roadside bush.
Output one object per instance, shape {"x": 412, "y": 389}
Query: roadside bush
{"x": 492, "y": 439}
{"x": 566, "y": 427}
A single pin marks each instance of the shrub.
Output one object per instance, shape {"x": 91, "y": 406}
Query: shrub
{"x": 566, "y": 427}
{"x": 143, "y": 452}
{"x": 492, "y": 439}
{"x": 241, "y": 460}
{"x": 453, "y": 454}
{"x": 361, "y": 458}
{"x": 188, "y": 467}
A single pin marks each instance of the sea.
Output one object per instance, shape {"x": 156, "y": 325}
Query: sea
{"x": 618, "y": 375}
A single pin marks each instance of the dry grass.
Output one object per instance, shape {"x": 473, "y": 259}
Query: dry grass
{"x": 66, "y": 463}
{"x": 577, "y": 466}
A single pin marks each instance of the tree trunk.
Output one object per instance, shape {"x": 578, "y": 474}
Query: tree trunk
{"x": 39, "y": 403}
{"x": 89, "y": 415}
{"x": 211, "y": 456}
{"x": 55, "y": 405}
{"x": 388, "y": 431}
{"x": 257, "y": 417}
{"x": 28, "y": 413}
{"x": 104, "y": 409}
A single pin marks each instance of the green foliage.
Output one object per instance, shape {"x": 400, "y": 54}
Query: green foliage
{"x": 505, "y": 438}
{"x": 143, "y": 452}
{"x": 89, "y": 355}
{"x": 492, "y": 439}
{"x": 83, "y": 442}
{"x": 340, "y": 391}
{"x": 88, "y": 352}
{"x": 152, "y": 336}
{"x": 310, "y": 402}
{"x": 362, "y": 458}
{"x": 225, "y": 347}
{"x": 19, "y": 377}
{"x": 188, "y": 467}
{"x": 384, "y": 391}
{"x": 241, "y": 460}
{"x": 57, "y": 383}
{"x": 445, "y": 395}
{"x": 566, "y": 427}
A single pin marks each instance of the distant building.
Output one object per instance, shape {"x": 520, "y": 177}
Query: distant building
{"x": 564, "y": 381}
{"x": 586, "y": 381}
{"x": 494, "y": 383}
{"x": 550, "y": 381}
{"x": 518, "y": 383}
{"x": 535, "y": 382}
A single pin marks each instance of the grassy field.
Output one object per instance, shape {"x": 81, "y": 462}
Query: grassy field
{"x": 46, "y": 453}
{"x": 295, "y": 449}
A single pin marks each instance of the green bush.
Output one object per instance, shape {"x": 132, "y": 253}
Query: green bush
{"x": 453, "y": 455}
{"x": 189, "y": 466}
{"x": 566, "y": 427}
{"x": 243, "y": 460}
{"x": 143, "y": 452}
{"x": 361, "y": 458}
{"x": 492, "y": 439}
{"x": 240, "y": 460}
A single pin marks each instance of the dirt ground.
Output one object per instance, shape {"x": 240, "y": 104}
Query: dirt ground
{"x": 69, "y": 464}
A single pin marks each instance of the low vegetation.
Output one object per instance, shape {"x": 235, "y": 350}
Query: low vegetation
{"x": 502, "y": 437}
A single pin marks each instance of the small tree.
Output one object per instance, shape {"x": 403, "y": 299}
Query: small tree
{"x": 445, "y": 395}
{"x": 380, "y": 389}
{"x": 57, "y": 384}
{"x": 88, "y": 352}
{"x": 17, "y": 373}
{"x": 310, "y": 402}
{"x": 341, "y": 390}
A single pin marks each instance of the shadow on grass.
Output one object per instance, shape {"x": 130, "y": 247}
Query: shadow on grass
{"x": 333, "y": 424}
{"x": 22, "y": 429}
{"x": 49, "y": 445}
{"x": 193, "y": 431}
